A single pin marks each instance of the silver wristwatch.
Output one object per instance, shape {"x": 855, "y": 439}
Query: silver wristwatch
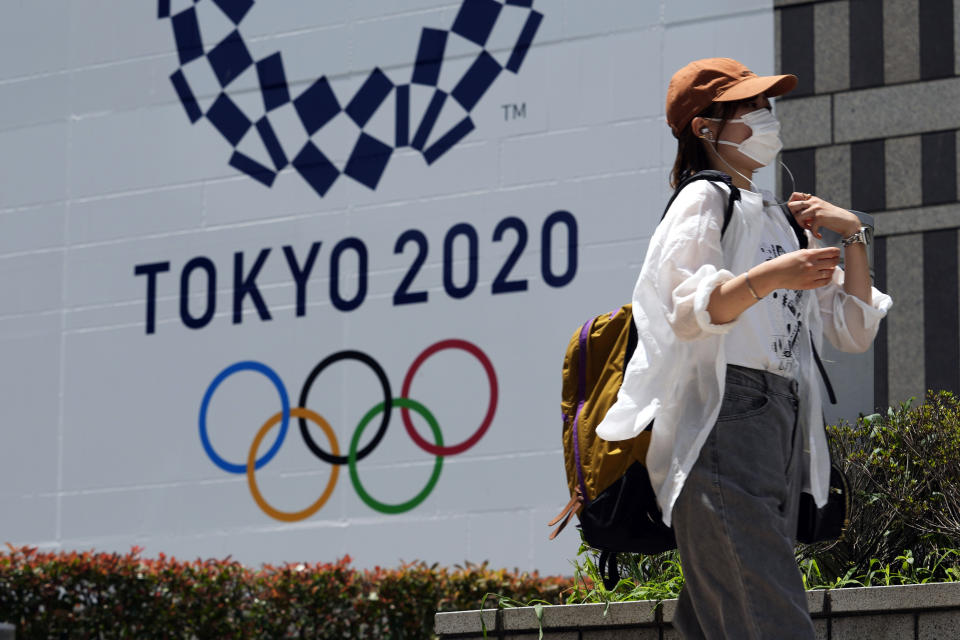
{"x": 860, "y": 237}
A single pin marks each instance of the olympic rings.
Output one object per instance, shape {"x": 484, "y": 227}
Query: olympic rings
{"x": 387, "y": 399}
{"x": 285, "y": 516}
{"x": 354, "y": 455}
{"x": 372, "y": 502}
{"x": 452, "y": 450}
{"x": 250, "y": 365}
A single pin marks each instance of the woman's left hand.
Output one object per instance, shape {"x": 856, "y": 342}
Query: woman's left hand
{"x": 812, "y": 213}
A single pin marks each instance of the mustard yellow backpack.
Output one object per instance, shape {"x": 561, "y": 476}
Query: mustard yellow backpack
{"x": 609, "y": 486}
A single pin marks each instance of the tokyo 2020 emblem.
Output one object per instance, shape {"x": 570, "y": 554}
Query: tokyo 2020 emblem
{"x": 251, "y": 124}
{"x": 383, "y": 410}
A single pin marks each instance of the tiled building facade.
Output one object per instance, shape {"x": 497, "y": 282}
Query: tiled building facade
{"x": 874, "y": 125}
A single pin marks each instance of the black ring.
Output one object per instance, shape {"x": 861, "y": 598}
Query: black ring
{"x": 387, "y": 405}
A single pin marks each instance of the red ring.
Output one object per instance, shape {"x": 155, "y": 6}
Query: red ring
{"x": 487, "y": 420}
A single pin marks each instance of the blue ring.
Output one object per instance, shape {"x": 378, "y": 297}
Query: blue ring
{"x": 247, "y": 365}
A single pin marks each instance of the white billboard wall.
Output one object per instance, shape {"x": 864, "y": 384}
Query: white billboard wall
{"x": 170, "y": 282}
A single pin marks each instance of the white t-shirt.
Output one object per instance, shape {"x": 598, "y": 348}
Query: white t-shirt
{"x": 767, "y": 335}
{"x": 676, "y": 374}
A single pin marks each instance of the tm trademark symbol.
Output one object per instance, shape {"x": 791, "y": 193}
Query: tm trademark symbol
{"x": 513, "y": 111}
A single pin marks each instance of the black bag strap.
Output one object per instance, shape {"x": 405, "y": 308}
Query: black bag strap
{"x": 797, "y": 229}
{"x": 823, "y": 372}
{"x": 609, "y": 571}
{"x": 713, "y": 176}
{"x": 632, "y": 339}
{"x": 802, "y": 240}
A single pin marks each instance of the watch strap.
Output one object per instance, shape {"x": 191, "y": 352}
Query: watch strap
{"x": 857, "y": 238}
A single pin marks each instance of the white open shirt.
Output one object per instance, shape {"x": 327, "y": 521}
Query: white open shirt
{"x": 677, "y": 372}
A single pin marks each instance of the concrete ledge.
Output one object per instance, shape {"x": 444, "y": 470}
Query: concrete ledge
{"x": 920, "y": 612}
{"x": 463, "y": 622}
{"x": 886, "y": 599}
{"x": 586, "y": 616}
{"x": 628, "y": 615}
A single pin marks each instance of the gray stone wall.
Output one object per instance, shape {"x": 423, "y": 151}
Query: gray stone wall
{"x": 917, "y": 612}
{"x": 873, "y": 125}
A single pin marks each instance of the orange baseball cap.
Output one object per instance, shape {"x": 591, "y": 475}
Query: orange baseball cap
{"x": 703, "y": 82}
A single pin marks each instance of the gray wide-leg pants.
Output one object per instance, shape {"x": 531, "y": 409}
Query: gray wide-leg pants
{"x": 736, "y": 518}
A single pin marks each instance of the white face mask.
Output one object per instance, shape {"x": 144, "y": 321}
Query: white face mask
{"x": 764, "y": 144}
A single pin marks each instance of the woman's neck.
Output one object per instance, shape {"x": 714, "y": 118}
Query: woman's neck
{"x": 740, "y": 181}
{"x": 740, "y": 176}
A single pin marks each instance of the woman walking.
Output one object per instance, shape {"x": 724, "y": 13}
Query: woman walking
{"x": 728, "y": 321}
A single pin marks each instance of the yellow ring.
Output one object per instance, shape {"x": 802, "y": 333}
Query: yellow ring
{"x": 285, "y": 516}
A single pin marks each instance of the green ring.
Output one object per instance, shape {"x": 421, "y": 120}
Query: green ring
{"x": 372, "y": 502}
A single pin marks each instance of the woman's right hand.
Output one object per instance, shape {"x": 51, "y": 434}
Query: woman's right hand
{"x": 802, "y": 269}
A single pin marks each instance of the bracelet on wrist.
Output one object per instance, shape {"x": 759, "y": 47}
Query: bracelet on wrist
{"x": 746, "y": 277}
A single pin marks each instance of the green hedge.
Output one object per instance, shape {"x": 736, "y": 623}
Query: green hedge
{"x": 90, "y": 595}
{"x": 904, "y": 468}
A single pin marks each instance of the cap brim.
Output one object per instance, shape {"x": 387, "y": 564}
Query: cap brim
{"x": 770, "y": 85}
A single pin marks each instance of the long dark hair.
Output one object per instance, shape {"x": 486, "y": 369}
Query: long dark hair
{"x": 691, "y": 156}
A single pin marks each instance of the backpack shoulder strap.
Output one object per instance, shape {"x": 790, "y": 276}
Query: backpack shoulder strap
{"x": 712, "y": 176}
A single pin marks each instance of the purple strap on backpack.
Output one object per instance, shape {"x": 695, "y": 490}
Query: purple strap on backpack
{"x": 581, "y": 395}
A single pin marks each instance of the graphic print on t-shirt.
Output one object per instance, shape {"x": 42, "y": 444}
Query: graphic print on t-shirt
{"x": 785, "y": 309}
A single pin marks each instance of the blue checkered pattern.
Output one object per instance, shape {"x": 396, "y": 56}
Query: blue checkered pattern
{"x": 317, "y": 105}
